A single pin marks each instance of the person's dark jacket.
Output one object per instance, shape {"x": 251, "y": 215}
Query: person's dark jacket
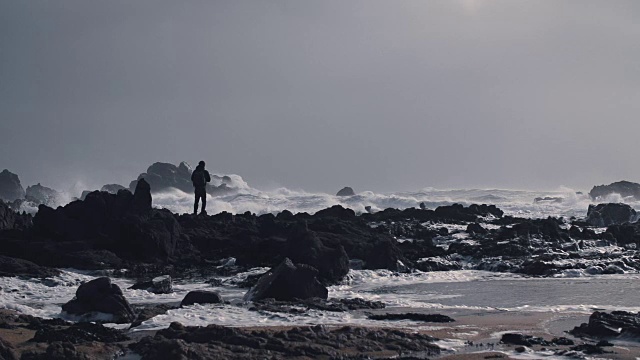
{"x": 200, "y": 177}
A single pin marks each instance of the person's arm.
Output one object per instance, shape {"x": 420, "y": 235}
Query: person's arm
{"x": 207, "y": 176}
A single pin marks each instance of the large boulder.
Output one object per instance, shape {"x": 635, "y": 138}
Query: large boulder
{"x": 201, "y": 297}
{"x": 10, "y": 187}
{"x": 602, "y": 215}
{"x": 100, "y": 296}
{"x": 287, "y": 282}
{"x": 39, "y": 194}
{"x": 305, "y": 247}
{"x": 346, "y": 191}
{"x": 623, "y": 188}
{"x": 608, "y": 325}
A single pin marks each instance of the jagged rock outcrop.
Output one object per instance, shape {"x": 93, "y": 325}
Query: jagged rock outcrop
{"x": 287, "y": 282}
{"x": 11, "y": 220}
{"x": 10, "y": 187}
{"x": 346, "y": 191}
{"x": 602, "y": 215}
{"x": 100, "y": 296}
{"x": 124, "y": 224}
{"x": 112, "y": 188}
{"x": 623, "y": 188}
{"x": 39, "y": 194}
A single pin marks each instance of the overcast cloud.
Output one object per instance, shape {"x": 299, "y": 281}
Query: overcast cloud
{"x": 316, "y": 95}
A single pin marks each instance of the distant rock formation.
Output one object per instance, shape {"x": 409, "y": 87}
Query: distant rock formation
{"x": 548, "y": 199}
{"x": 624, "y": 188}
{"x": 39, "y": 194}
{"x": 10, "y": 187}
{"x": 165, "y": 176}
{"x": 112, "y": 188}
{"x": 346, "y": 191}
{"x": 11, "y": 220}
{"x": 602, "y": 215}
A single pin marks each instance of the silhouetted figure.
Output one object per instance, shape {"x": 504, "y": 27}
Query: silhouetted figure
{"x": 200, "y": 177}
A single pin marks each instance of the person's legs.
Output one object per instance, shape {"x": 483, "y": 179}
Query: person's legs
{"x": 204, "y": 203}
{"x": 195, "y": 205}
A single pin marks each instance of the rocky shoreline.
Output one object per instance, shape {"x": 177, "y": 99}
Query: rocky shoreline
{"x": 123, "y": 233}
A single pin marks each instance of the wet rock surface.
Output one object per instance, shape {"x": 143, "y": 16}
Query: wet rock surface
{"x": 610, "y": 325}
{"x": 602, "y": 215}
{"x": 201, "y": 297}
{"x": 100, "y": 296}
{"x": 288, "y": 281}
{"x": 218, "y": 342}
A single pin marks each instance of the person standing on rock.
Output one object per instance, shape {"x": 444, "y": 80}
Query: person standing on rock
{"x": 200, "y": 177}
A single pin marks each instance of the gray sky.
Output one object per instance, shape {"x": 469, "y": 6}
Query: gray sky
{"x": 315, "y": 95}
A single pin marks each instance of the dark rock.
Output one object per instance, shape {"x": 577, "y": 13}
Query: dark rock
{"x": 218, "y": 342}
{"x": 112, "y": 188}
{"x": 476, "y": 228}
{"x": 436, "y": 318}
{"x": 562, "y": 341}
{"x": 305, "y": 247}
{"x": 385, "y": 254}
{"x": 520, "y": 339}
{"x": 609, "y": 325}
{"x": 423, "y": 206}
{"x": 589, "y": 349}
{"x": 302, "y": 306}
{"x": 165, "y": 177}
{"x": 538, "y": 268}
{"x": 6, "y": 351}
{"x": 158, "y": 285}
{"x": 79, "y": 333}
{"x": 10, "y": 220}
{"x": 602, "y": 215}
{"x": 100, "y": 295}
{"x": 201, "y": 297}
{"x": 146, "y": 312}
{"x": 39, "y": 194}
{"x": 10, "y": 187}
{"x": 346, "y": 191}
{"x": 548, "y": 199}
{"x": 57, "y": 351}
{"x": 623, "y": 188}
{"x": 288, "y": 282}
{"x": 338, "y": 212}
{"x": 142, "y": 196}
{"x": 19, "y": 267}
